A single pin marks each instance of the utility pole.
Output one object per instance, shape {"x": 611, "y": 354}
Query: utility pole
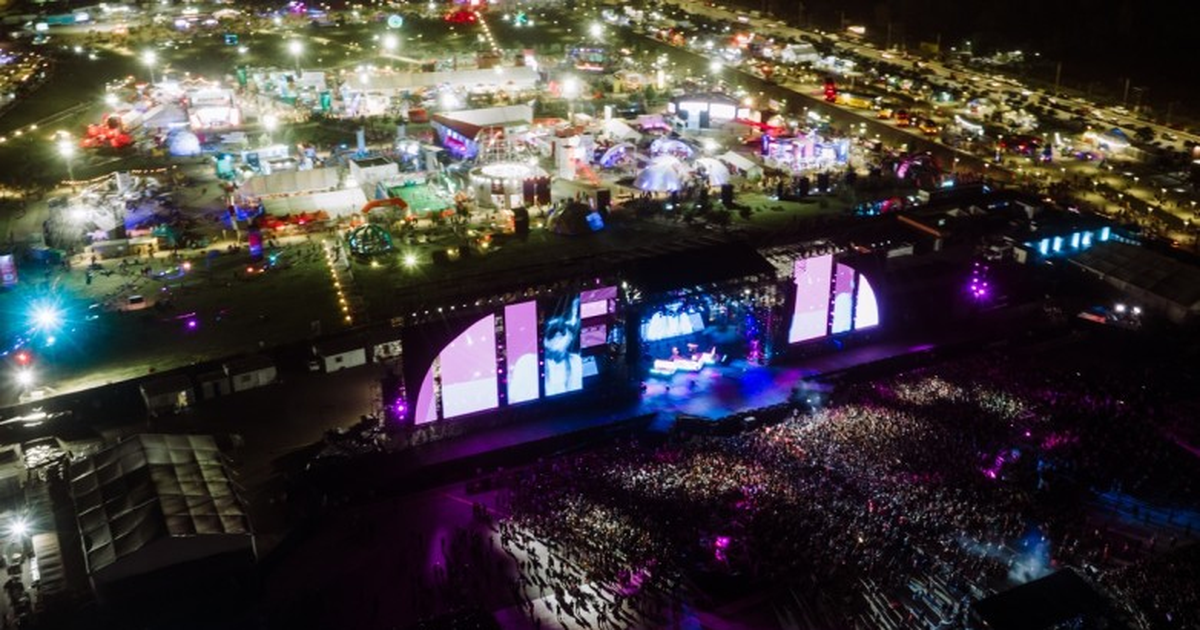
{"x": 1170, "y": 106}
{"x": 1057, "y": 77}
{"x": 1125, "y": 99}
{"x": 888, "y": 45}
{"x": 1137, "y": 107}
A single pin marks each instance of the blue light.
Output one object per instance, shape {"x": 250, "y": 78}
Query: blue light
{"x": 47, "y": 317}
{"x": 1075, "y": 240}
{"x": 1058, "y": 243}
{"x": 1044, "y": 246}
{"x": 1104, "y": 232}
{"x": 1087, "y": 240}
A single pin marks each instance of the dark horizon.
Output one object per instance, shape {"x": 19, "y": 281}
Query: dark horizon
{"x": 1100, "y": 42}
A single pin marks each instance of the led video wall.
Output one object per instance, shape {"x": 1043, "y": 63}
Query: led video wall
{"x": 563, "y": 365}
{"x": 831, "y": 298}
{"x": 528, "y": 351}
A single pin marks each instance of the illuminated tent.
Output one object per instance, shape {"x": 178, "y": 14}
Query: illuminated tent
{"x": 652, "y": 122}
{"x": 616, "y": 154}
{"x": 664, "y": 174}
{"x": 671, "y": 146}
{"x": 716, "y": 172}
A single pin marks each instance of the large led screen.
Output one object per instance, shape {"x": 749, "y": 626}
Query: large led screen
{"x": 468, "y": 367}
{"x": 672, "y": 320}
{"x": 597, "y": 302}
{"x": 594, "y": 336}
{"x": 843, "y": 299}
{"x": 520, "y": 343}
{"x": 810, "y": 317}
{"x": 867, "y": 312}
{"x": 560, "y": 340}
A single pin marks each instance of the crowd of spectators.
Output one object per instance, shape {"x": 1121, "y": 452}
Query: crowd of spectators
{"x": 901, "y": 501}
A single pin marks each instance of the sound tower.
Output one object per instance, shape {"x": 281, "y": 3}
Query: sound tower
{"x": 603, "y": 202}
{"x": 727, "y": 195}
{"x": 521, "y": 221}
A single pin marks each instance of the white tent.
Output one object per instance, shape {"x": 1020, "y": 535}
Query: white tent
{"x": 671, "y": 146}
{"x": 165, "y": 116}
{"x": 618, "y": 130}
{"x": 338, "y": 203}
{"x": 291, "y": 182}
{"x": 738, "y": 161}
{"x": 664, "y": 174}
{"x": 617, "y": 153}
{"x": 718, "y": 173}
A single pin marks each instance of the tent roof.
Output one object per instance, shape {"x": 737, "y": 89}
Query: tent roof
{"x": 519, "y": 77}
{"x": 469, "y": 122}
{"x": 334, "y": 202}
{"x": 151, "y": 487}
{"x": 737, "y": 160}
{"x": 288, "y": 182}
{"x": 1148, "y": 270}
{"x": 619, "y": 129}
{"x": 708, "y": 264}
{"x": 165, "y": 115}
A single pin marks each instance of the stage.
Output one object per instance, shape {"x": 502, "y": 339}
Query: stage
{"x": 714, "y": 392}
{"x": 718, "y": 391}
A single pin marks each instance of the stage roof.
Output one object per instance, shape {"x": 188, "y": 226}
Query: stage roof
{"x": 677, "y": 270}
{"x": 1046, "y": 603}
{"x": 152, "y": 487}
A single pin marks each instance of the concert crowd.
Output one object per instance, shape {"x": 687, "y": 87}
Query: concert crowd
{"x": 893, "y": 505}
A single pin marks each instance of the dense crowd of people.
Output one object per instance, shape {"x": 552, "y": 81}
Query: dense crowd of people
{"x": 902, "y": 501}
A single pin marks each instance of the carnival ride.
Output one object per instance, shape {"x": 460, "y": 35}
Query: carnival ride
{"x": 369, "y": 240}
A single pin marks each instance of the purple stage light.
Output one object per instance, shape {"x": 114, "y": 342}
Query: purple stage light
{"x": 720, "y": 545}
